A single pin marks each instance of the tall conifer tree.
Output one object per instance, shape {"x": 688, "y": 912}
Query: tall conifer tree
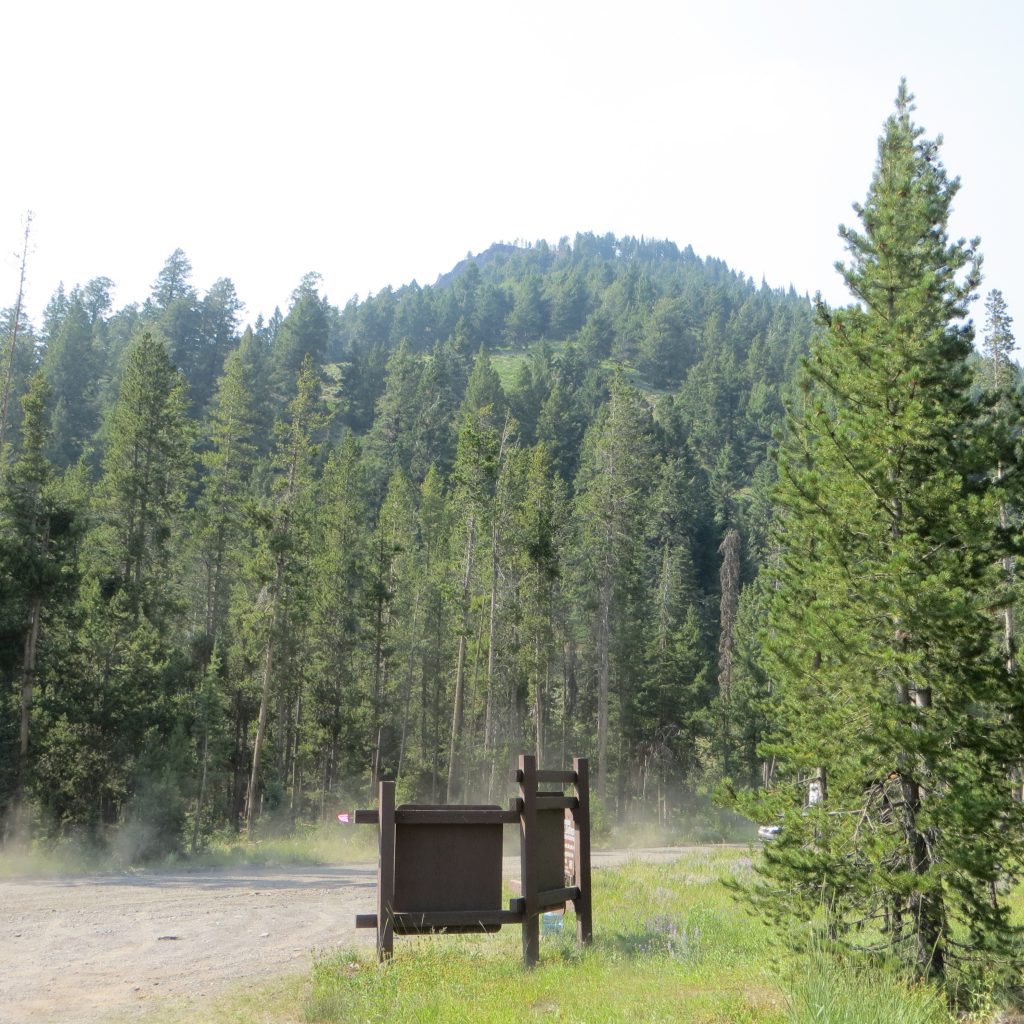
{"x": 278, "y": 572}
{"x": 611, "y": 490}
{"x": 146, "y": 471}
{"x": 234, "y": 432}
{"x": 895, "y": 710}
{"x": 37, "y": 533}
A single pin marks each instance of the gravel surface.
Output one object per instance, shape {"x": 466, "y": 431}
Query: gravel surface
{"x": 79, "y": 950}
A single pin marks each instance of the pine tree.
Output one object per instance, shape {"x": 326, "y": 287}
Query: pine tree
{"x": 894, "y": 704}
{"x": 674, "y": 687}
{"x": 38, "y": 528}
{"x": 435, "y": 538}
{"x": 729, "y": 578}
{"x": 278, "y": 568}
{"x": 10, "y": 360}
{"x": 617, "y": 468}
{"x": 236, "y": 425}
{"x": 114, "y": 713}
{"x": 393, "y": 604}
{"x": 999, "y": 343}
{"x": 391, "y": 440}
{"x": 539, "y": 523}
{"x": 218, "y": 332}
{"x": 339, "y": 692}
{"x": 72, "y": 364}
{"x": 146, "y": 471}
{"x": 303, "y": 332}
{"x": 477, "y": 466}
{"x": 998, "y": 382}
{"x": 441, "y": 385}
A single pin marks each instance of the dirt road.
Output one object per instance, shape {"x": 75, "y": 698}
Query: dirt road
{"x": 76, "y": 950}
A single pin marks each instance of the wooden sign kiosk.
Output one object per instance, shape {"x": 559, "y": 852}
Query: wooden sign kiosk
{"x": 439, "y": 868}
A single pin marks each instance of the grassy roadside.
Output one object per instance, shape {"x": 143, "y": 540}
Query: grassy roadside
{"x": 307, "y": 845}
{"x": 670, "y": 945}
{"x": 321, "y": 843}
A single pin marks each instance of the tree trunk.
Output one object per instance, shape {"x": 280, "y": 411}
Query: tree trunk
{"x": 603, "y": 688}
{"x": 926, "y": 909}
{"x": 568, "y": 693}
{"x": 729, "y": 579}
{"x": 1009, "y": 569}
{"x": 492, "y": 633}
{"x": 257, "y": 748}
{"x": 539, "y": 698}
{"x": 238, "y": 759}
{"x": 261, "y": 725}
{"x": 454, "y": 754}
{"x": 28, "y": 674}
{"x": 296, "y": 808}
{"x": 202, "y": 791}
{"x": 407, "y": 688}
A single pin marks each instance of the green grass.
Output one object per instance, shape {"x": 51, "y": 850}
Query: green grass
{"x": 311, "y": 845}
{"x": 274, "y": 1002}
{"x": 64, "y": 859}
{"x": 306, "y": 845}
{"x": 838, "y": 991}
{"x": 506, "y": 363}
{"x": 670, "y": 945}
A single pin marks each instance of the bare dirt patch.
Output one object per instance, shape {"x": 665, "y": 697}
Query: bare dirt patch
{"x": 76, "y": 949}
{"x": 80, "y": 950}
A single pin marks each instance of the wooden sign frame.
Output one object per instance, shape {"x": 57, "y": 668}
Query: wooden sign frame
{"x": 439, "y": 867}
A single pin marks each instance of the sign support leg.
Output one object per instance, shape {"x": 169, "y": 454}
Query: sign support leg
{"x": 528, "y": 857}
{"x": 386, "y": 873}
{"x": 584, "y": 923}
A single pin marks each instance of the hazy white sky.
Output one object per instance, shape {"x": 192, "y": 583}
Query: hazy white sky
{"x": 377, "y": 143}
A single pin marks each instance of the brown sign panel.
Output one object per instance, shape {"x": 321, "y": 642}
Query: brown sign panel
{"x": 551, "y": 849}
{"x": 447, "y": 867}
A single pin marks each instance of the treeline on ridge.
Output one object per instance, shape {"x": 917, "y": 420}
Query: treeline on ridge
{"x": 244, "y": 574}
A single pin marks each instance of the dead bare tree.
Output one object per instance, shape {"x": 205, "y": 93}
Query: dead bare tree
{"x": 730, "y": 585}
{"x": 13, "y": 345}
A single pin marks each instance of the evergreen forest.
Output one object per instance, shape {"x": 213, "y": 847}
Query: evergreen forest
{"x": 248, "y": 571}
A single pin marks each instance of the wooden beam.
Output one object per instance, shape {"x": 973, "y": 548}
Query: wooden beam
{"x": 528, "y": 856}
{"x": 557, "y": 897}
{"x": 435, "y": 920}
{"x": 581, "y": 874}
{"x": 386, "y": 872}
{"x": 455, "y": 816}
{"x": 551, "y": 802}
{"x": 566, "y": 778}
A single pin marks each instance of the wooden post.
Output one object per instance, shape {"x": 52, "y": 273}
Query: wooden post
{"x": 386, "y": 872}
{"x": 581, "y": 816}
{"x": 528, "y": 857}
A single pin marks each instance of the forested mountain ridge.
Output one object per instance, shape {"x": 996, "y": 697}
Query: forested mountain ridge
{"x": 249, "y": 572}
